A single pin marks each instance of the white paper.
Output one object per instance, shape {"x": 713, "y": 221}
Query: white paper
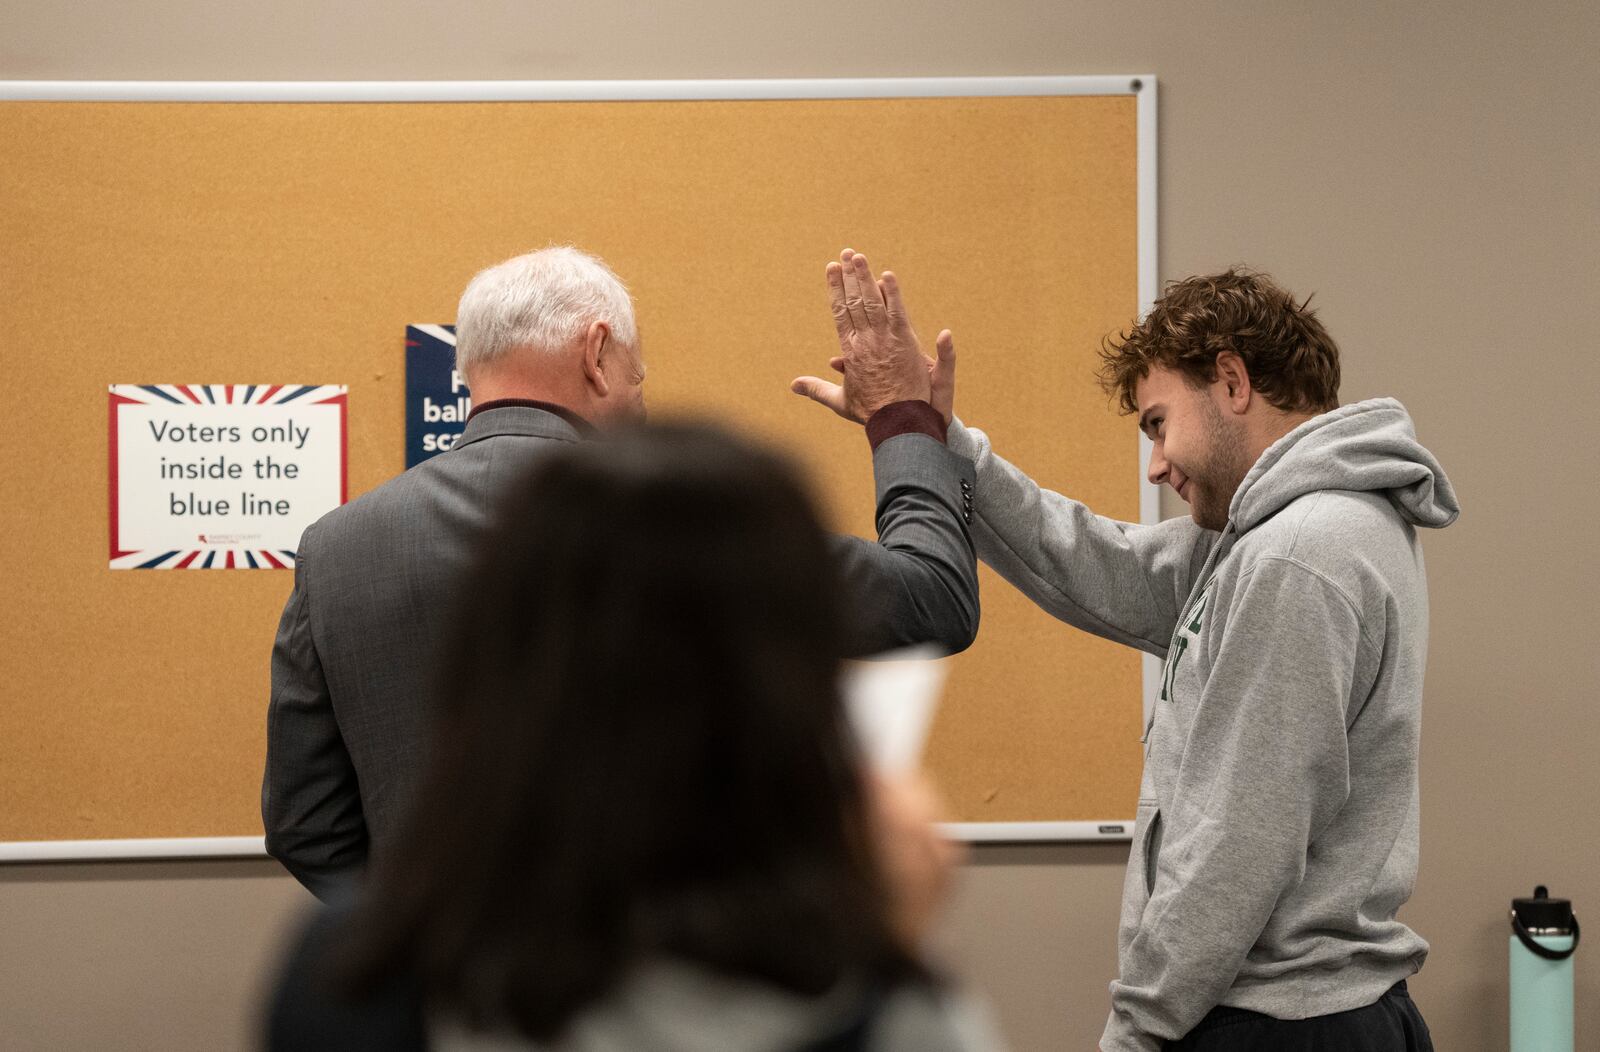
{"x": 891, "y": 701}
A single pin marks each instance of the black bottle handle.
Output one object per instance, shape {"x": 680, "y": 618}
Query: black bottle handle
{"x": 1543, "y": 951}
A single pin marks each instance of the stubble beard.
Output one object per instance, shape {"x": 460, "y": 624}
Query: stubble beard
{"x": 1215, "y": 480}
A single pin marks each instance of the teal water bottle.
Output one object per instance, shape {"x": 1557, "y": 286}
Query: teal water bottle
{"x": 1544, "y": 934}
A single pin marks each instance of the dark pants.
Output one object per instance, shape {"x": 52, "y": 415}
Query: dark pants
{"x": 1390, "y": 1024}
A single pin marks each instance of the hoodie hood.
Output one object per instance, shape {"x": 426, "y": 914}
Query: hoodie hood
{"x": 1366, "y": 447}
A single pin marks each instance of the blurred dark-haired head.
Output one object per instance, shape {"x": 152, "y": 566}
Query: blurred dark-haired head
{"x": 641, "y": 752}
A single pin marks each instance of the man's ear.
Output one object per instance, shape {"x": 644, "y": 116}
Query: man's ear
{"x": 1234, "y": 381}
{"x": 597, "y": 345}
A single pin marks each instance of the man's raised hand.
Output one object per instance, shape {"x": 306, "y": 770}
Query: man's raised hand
{"x": 880, "y": 356}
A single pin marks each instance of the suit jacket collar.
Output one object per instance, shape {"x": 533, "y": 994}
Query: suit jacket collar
{"x": 517, "y": 420}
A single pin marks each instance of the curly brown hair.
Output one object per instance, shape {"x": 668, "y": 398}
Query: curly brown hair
{"x": 1292, "y": 360}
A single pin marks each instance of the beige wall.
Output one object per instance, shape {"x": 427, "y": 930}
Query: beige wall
{"x": 1428, "y": 169}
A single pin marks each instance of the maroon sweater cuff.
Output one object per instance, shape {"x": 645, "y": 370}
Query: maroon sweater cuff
{"x": 904, "y": 418}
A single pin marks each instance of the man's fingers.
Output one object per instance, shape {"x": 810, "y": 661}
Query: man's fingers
{"x": 871, "y": 298}
{"x": 836, "y": 364}
{"x": 841, "y": 314}
{"x": 945, "y": 347}
{"x": 820, "y": 391}
{"x": 893, "y": 304}
{"x": 854, "y": 302}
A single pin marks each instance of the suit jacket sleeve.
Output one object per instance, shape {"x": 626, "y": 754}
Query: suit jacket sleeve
{"x": 919, "y": 582}
{"x": 310, "y": 800}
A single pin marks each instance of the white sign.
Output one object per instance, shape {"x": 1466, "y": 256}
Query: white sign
{"x": 222, "y": 476}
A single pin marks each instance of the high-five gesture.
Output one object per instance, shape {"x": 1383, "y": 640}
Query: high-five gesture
{"x": 880, "y": 356}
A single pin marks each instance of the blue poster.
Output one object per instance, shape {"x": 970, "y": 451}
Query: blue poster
{"x": 437, "y": 400}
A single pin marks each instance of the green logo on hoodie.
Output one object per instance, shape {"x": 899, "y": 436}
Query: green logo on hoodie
{"x": 1190, "y": 631}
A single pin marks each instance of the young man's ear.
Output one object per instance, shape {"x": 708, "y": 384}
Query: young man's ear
{"x": 597, "y": 345}
{"x": 1233, "y": 381}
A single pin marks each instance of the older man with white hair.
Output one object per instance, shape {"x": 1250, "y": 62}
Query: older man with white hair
{"x": 548, "y": 345}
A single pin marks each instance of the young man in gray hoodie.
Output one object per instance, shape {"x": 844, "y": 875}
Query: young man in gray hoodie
{"x": 1277, "y": 818}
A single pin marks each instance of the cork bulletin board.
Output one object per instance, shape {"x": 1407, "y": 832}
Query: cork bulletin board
{"x": 239, "y": 234}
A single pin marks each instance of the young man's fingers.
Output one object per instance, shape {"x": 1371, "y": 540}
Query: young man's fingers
{"x": 942, "y": 376}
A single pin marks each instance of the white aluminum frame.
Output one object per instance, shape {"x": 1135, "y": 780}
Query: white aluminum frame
{"x": 1142, "y": 86}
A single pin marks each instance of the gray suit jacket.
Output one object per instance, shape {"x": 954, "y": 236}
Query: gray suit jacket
{"x": 374, "y": 581}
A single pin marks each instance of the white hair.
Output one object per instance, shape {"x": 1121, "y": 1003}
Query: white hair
{"x": 545, "y": 301}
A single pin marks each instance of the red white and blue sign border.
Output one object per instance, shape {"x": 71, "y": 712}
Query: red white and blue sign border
{"x": 239, "y": 558}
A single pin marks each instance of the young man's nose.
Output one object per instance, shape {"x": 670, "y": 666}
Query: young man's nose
{"x": 1158, "y": 468}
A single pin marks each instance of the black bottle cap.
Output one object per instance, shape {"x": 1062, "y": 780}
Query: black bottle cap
{"x": 1543, "y": 913}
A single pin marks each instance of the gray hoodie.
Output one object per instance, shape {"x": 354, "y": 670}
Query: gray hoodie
{"x": 1277, "y": 821}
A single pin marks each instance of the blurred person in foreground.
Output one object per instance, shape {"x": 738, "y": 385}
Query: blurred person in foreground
{"x": 644, "y": 824}
{"x": 1278, "y": 819}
